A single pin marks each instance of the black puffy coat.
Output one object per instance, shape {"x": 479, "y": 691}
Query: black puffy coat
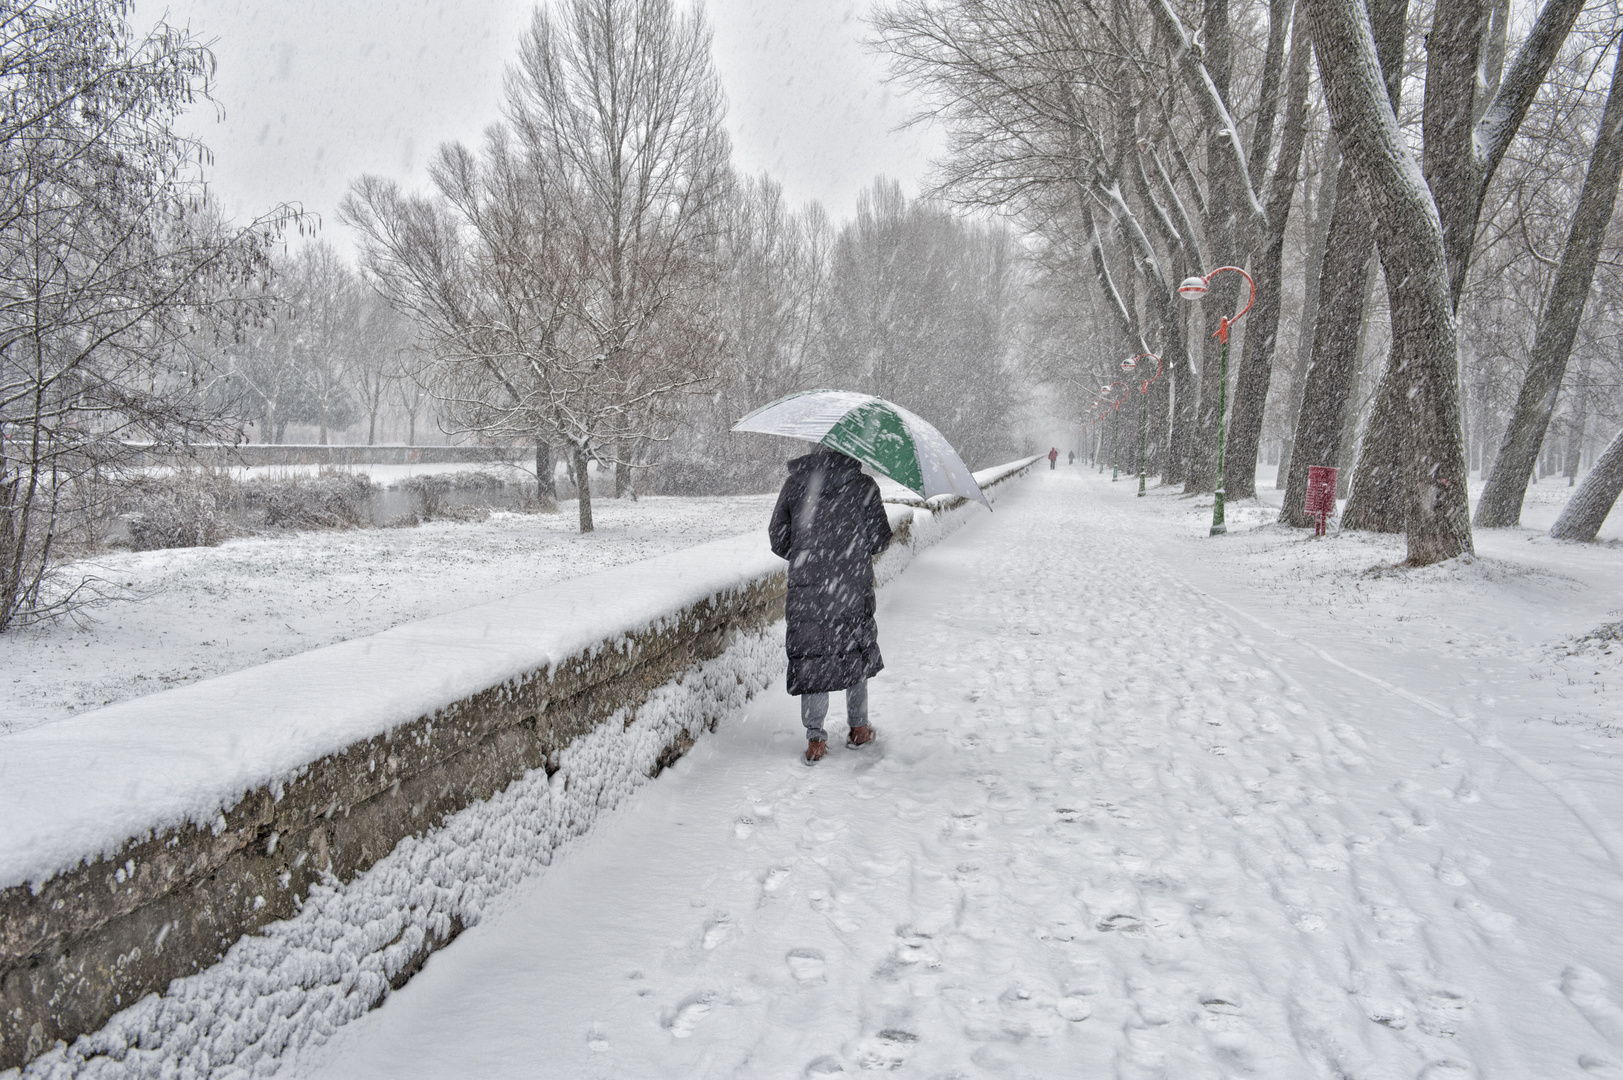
{"x": 830, "y": 523}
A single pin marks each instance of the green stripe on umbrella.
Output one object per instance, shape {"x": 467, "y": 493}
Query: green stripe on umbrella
{"x": 880, "y": 434}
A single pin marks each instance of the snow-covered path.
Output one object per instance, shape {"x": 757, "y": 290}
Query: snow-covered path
{"x": 1128, "y": 817}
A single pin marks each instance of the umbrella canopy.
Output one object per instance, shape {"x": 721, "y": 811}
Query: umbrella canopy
{"x": 878, "y": 433}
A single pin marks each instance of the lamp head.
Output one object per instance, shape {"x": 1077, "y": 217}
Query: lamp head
{"x": 1193, "y": 288}
{"x": 1129, "y": 365}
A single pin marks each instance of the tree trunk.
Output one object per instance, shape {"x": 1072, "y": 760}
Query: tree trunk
{"x": 1333, "y": 366}
{"x": 1501, "y": 503}
{"x": 1317, "y": 243}
{"x": 546, "y": 488}
{"x": 1222, "y": 249}
{"x": 1425, "y": 344}
{"x": 1257, "y": 361}
{"x": 583, "y": 489}
{"x": 1376, "y": 502}
{"x": 622, "y": 476}
{"x": 1586, "y": 511}
{"x": 1575, "y": 430}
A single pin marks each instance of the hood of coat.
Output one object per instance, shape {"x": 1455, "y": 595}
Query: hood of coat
{"x": 837, "y": 468}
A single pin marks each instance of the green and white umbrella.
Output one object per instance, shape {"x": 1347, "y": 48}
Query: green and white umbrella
{"x": 876, "y": 432}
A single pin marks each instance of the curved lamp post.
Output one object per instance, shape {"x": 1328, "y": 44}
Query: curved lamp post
{"x": 1115, "y": 427}
{"x": 1144, "y": 411}
{"x": 1194, "y": 288}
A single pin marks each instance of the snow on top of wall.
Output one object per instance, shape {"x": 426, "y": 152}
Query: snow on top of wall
{"x": 82, "y": 786}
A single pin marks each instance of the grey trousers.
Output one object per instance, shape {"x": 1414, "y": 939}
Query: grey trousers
{"x": 814, "y": 708}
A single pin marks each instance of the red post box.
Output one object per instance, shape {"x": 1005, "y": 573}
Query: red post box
{"x": 1321, "y": 494}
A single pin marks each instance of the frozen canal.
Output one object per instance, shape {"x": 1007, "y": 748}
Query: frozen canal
{"x": 1143, "y": 805}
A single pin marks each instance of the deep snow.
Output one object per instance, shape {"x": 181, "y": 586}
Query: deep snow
{"x": 1144, "y": 804}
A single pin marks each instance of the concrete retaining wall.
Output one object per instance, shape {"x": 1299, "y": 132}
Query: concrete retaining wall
{"x": 94, "y": 938}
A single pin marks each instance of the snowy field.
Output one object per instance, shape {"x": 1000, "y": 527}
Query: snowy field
{"x": 207, "y": 611}
{"x": 1144, "y": 804}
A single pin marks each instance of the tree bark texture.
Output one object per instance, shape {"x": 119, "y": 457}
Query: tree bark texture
{"x": 1222, "y": 249}
{"x": 1501, "y": 502}
{"x": 583, "y": 489}
{"x": 1343, "y": 293}
{"x": 1318, "y": 241}
{"x": 1448, "y": 120}
{"x": 1425, "y": 343}
{"x": 1332, "y": 369}
{"x": 1257, "y": 361}
{"x": 546, "y": 487}
{"x": 1586, "y": 511}
{"x": 1576, "y": 427}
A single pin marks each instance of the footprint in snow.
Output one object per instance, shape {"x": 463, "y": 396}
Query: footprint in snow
{"x": 1442, "y": 1013}
{"x": 1446, "y": 1070}
{"x": 1074, "y": 1008}
{"x": 743, "y": 827}
{"x": 682, "y": 1020}
{"x": 597, "y": 1040}
{"x": 806, "y": 965}
{"x": 774, "y": 878}
{"x": 717, "y": 929}
{"x": 1126, "y": 924}
{"x": 886, "y": 1051}
{"x": 1590, "y": 994}
{"x": 827, "y": 1065}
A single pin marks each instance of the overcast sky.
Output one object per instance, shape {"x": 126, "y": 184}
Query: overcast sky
{"x": 316, "y": 92}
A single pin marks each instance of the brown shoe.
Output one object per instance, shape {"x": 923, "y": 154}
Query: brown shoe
{"x": 861, "y": 735}
{"x": 815, "y": 749}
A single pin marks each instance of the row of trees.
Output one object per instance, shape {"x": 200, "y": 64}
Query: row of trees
{"x": 1341, "y": 151}
{"x": 596, "y": 279}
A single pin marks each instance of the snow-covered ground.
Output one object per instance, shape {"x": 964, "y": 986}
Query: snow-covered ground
{"x": 1144, "y": 804}
{"x": 207, "y": 611}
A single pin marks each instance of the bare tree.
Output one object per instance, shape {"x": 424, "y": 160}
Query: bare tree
{"x": 110, "y": 257}
{"x": 564, "y": 276}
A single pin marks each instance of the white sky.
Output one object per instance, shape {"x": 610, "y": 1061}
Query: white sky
{"x": 316, "y": 92}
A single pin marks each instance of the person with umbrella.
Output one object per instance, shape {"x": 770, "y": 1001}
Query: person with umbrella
{"x": 829, "y": 523}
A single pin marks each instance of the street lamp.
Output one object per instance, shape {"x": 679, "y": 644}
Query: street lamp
{"x": 1144, "y": 411}
{"x": 1115, "y": 427}
{"x": 1194, "y": 288}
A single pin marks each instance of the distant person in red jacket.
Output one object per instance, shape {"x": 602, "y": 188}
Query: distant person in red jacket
{"x": 1053, "y": 456}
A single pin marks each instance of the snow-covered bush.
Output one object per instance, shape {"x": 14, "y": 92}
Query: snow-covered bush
{"x": 446, "y": 495}
{"x": 335, "y": 499}
{"x": 186, "y": 508}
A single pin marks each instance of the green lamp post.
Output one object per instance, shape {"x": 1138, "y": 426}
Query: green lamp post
{"x": 1115, "y": 427}
{"x": 1143, "y": 412}
{"x": 1194, "y": 288}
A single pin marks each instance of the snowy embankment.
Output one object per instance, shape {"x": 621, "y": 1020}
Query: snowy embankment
{"x": 202, "y": 612}
{"x": 115, "y": 817}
